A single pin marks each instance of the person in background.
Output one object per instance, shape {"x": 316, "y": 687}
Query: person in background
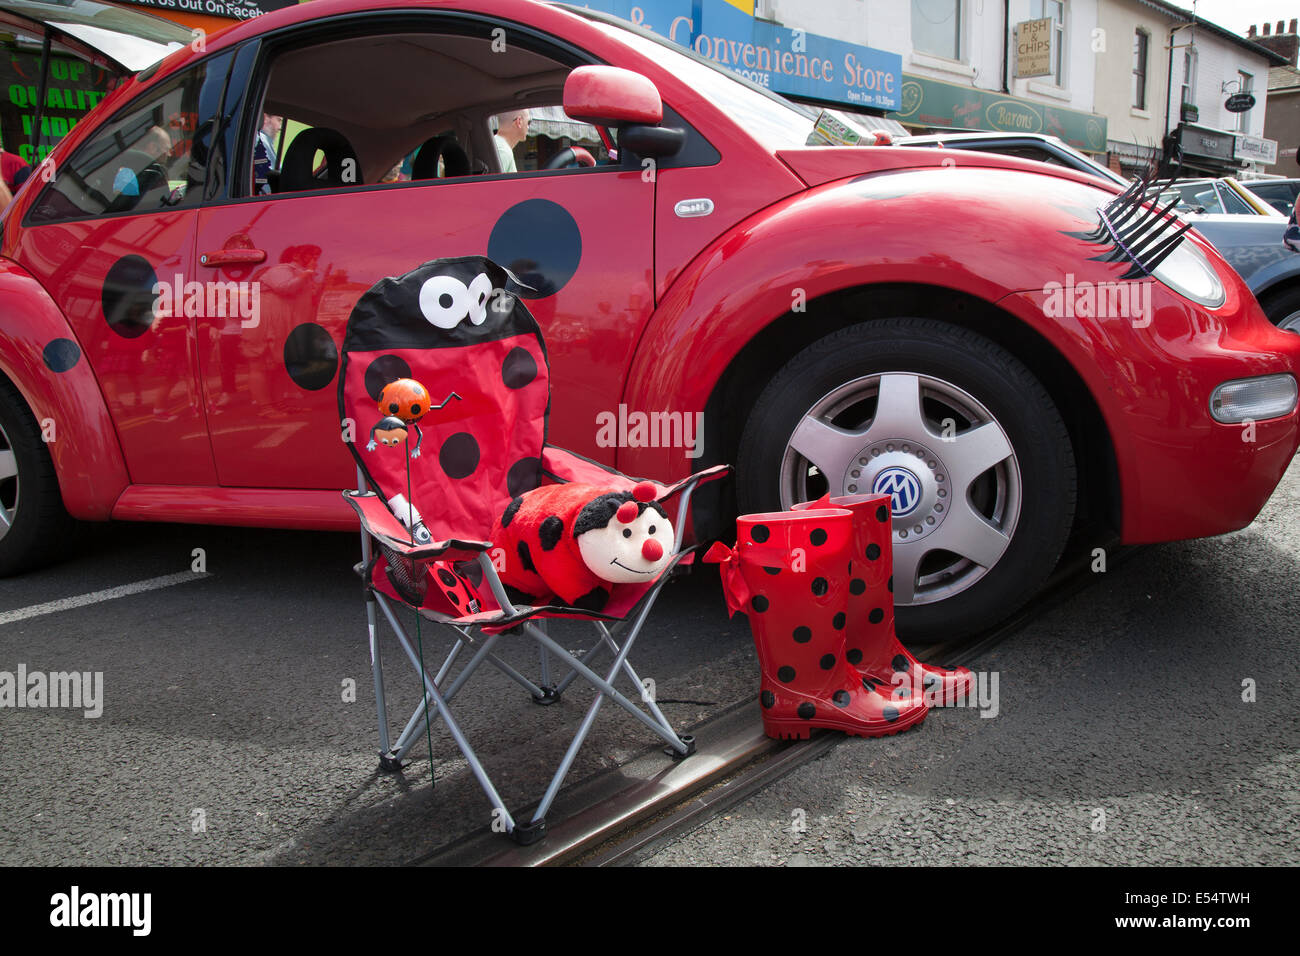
{"x": 513, "y": 131}
{"x": 13, "y": 173}
{"x": 264, "y": 152}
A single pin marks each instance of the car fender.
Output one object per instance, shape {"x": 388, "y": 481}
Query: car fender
{"x": 1283, "y": 272}
{"x": 905, "y": 226}
{"x": 40, "y": 354}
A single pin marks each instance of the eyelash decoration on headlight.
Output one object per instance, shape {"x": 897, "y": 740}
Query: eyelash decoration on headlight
{"x": 1135, "y": 232}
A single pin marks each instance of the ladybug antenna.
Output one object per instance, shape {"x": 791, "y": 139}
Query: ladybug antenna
{"x": 644, "y": 491}
{"x": 627, "y": 512}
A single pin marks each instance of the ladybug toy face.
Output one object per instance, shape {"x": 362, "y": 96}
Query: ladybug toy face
{"x": 406, "y": 399}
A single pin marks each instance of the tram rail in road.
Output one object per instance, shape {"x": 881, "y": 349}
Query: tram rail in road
{"x": 619, "y": 816}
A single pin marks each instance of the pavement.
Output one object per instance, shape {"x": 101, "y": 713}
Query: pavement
{"x": 237, "y": 721}
{"x": 1126, "y": 734}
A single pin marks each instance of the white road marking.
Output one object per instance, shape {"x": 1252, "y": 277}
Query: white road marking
{"x": 95, "y": 597}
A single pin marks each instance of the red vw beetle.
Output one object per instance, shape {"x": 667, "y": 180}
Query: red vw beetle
{"x": 994, "y": 342}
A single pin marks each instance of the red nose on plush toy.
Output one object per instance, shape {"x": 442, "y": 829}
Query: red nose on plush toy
{"x": 652, "y": 550}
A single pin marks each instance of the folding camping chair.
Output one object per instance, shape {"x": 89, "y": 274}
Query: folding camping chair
{"x": 428, "y": 506}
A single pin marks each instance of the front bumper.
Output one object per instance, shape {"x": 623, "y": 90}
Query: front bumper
{"x": 1182, "y": 474}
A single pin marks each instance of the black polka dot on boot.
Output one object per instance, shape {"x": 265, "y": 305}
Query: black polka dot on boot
{"x": 827, "y": 661}
{"x": 817, "y": 537}
{"x": 807, "y": 711}
{"x": 820, "y": 586}
{"x": 868, "y": 683}
{"x": 802, "y": 635}
{"x": 857, "y": 586}
{"x": 890, "y": 714}
{"x": 882, "y": 513}
{"x": 841, "y": 698}
{"x": 767, "y": 699}
{"x": 785, "y": 674}
{"x": 838, "y": 621}
{"x": 854, "y": 656}
{"x": 900, "y": 663}
{"x": 760, "y": 533}
{"x": 876, "y": 616}
{"x": 772, "y": 570}
{"x": 891, "y": 584}
{"x": 873, "y": 552}
{"x": 759, "y": 603}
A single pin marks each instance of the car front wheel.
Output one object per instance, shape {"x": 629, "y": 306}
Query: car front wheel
{"x": 962, "y": 436}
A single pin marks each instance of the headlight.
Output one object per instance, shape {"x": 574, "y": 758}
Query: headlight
{"x": 1188, "y": 272}
{"x": 1254, "y": 399}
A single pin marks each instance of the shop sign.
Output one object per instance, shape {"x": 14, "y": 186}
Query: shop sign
{"x": 789, "y": 61}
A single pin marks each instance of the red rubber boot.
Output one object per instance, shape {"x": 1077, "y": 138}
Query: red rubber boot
{"x": 788, "y": 573}
{"x": 871, "y": 644}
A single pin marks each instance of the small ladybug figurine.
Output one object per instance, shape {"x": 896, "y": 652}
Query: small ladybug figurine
{"x": 403, "y": 403}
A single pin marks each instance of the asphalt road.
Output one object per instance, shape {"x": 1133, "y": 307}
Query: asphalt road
{"x": 225, "y": 738}
{"x": 1122, "y": 735}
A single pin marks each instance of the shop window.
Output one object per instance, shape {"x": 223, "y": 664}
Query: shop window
{"x": 1245, "y": 84}
{"x": 1053, "y": 10}
{"x": 75, "y": 86}
{"x": 320, "y": 128}
{"x": 1141, "y": 45}
{"x": 141, "y": 161}
{"x": 936, "y": 27}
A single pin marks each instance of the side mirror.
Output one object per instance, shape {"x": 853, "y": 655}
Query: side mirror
{"x": 610, "y": 96}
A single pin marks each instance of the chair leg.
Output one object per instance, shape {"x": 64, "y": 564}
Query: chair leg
{"x": 377, "y": 670}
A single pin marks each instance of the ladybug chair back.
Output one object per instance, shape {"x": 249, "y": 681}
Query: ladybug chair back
{"x": 443, "y": 397}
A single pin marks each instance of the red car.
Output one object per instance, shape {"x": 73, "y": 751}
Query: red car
{"x": 1005, "y": 347}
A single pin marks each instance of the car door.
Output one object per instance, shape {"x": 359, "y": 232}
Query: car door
{"x": 582, "y": 237}
{"x": 111, "y": 238}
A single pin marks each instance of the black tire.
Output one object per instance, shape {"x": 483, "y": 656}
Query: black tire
{"x": 1283, "y": 308}
{"x": 40, "y": 526}
{"x": 1039, "y": 474}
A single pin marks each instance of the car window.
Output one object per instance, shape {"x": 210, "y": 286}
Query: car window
{"x": 320, "y": 129}
{"x": 1232, "y": 202}
{"x": 75, "y": 87}
{"x": 1280, "y": 196}
{"x": 142, "y": 160}
{"x": 1200, "y": 197}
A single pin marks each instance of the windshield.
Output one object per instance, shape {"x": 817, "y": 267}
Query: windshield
{"x": 771, "y": 119}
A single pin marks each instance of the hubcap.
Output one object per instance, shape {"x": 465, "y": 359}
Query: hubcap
{"x": 953, "y": 477}
{"x": 8, "y": 483}
{"x": 1290, "y": 323}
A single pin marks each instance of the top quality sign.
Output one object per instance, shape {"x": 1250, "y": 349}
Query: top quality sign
{"x": 1034, "y": 47}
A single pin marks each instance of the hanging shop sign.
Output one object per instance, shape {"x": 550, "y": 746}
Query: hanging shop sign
{"x": 932, "y": 103}
{"x": 1206, "y": 142}
{"x": 789, "y": 61}
{"x": 1034, "y": 47}
{"x": 1239, "y": 102}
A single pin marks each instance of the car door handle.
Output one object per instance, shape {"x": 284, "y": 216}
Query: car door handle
{"x": 233, "y": 257}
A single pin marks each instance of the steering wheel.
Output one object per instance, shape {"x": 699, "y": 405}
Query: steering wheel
{"x": 571, "y": 156}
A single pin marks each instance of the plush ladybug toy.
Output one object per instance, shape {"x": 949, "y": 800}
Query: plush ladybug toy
{"x": 403, "y": 402}
{"x": 575, "y": 541}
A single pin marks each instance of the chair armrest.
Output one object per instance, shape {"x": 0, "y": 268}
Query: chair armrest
{"x": 383, "y": 526}
{"x": 562, "y": 465}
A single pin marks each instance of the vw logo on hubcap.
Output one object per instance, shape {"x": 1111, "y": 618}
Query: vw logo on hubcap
{"x": 903, "y": 488}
